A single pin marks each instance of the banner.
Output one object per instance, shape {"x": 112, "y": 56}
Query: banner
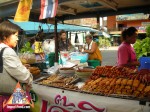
{"x": 23, "y": 11}
{"x": 48, "y": 8}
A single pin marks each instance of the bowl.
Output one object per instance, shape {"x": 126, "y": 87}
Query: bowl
{"x": 84, "y": 73}
{"x": 67, "y": 71}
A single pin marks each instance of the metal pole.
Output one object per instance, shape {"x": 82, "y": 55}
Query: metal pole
{"x": 98, "y": 22}
{"x": 56, "y": 41}
{"x": 70, "y": 35}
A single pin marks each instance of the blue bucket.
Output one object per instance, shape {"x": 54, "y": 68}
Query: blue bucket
{"x": 144, "y": 63}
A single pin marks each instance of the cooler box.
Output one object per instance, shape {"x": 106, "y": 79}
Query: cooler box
{"x": 83, "y": 57}
{"x": 94, "y": 63}
{"x": 144, "y": 63}
{"x": 50, "y": 58}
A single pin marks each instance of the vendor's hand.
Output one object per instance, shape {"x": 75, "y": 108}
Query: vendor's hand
{"x": 137, "y": 63}
{"x": 85, "y": 51}
{"x": 69, "y": 48}
{"x": 80, "y": 50}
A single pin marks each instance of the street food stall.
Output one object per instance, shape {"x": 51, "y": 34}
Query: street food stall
{"x": 104, "y": 89}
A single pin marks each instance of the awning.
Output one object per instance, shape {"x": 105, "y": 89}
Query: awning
{"x": 33, "y": 27}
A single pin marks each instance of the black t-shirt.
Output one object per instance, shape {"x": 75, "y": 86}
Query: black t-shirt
{"x": 63, "y": 45}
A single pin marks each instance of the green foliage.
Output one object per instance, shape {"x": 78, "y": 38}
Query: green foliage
{"x": 148, "y": 31}
{"x": 104, "y": 42}
{"x": 142, "y": 47}
{"x": 26, "y": 48}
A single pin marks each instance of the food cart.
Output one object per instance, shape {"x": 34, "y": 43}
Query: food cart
{"x": 92, "y": 94}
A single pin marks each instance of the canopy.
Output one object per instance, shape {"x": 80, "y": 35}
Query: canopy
{"x": 33, "y": 27}
{"x": 73, "y": 9}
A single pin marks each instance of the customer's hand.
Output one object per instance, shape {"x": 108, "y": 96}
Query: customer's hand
{"x": 28, "y": 87}
{"x": 27, "y": 65}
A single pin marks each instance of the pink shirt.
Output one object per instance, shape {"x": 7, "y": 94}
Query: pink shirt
{"x": 126, "y": 54}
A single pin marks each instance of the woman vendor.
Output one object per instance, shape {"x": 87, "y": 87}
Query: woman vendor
{"x": 64, "y": 42}
{"x": 126, "y": 53}
{"x": 92, "y": 49}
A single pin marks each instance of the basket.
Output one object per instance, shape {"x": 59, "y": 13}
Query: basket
{"x": 40, "y": 65}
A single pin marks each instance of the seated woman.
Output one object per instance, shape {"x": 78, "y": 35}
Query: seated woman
{"x": 126, "y": 53}
{"x": 92, "y": 49}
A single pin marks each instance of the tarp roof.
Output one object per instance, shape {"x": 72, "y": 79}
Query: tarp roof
{"x": 73, "y": 9}
{"x": 33, "y": 27}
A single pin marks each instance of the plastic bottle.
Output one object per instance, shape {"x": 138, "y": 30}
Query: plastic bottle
{"x": 47, "y": 61}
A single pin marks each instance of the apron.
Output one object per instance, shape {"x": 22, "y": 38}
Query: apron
{"x": 96, "y": 55}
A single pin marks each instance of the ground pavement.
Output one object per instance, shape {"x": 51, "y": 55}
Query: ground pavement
{"x": 109, "y": 55}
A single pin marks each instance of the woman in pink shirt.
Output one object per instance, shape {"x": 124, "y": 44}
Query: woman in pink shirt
{"x": 126, "y": 53}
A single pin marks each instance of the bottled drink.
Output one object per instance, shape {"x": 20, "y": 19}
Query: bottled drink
{"x": 47, "y": 60}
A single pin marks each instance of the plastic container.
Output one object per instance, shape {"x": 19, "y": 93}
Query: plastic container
{"x": 84, "y": 74}
{"x": 144, "y": 63}
{"x": 94, "y": 63}
{"x": 63, "y": 57}
{"x": 83, "y": 57}
{"x": 47, "y": 60}
{"x": 67, "y": 72}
